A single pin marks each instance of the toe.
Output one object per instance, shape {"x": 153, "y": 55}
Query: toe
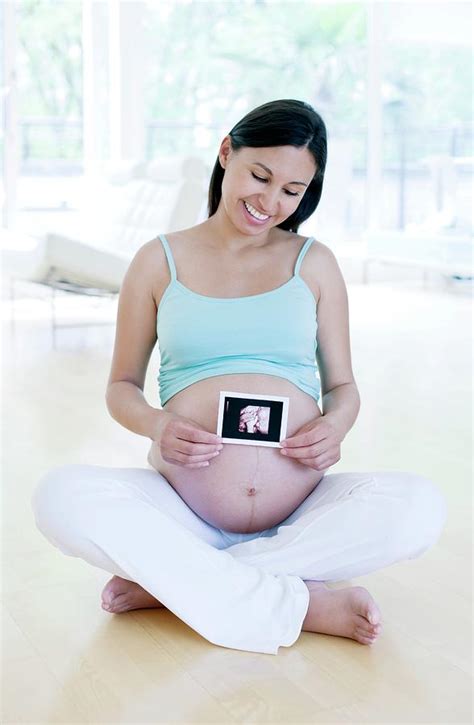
{"x": 364, "y": 605}
{"x": 120, "y": 601}
{"x": 366, "y": 640}
{"x": 367, "y": 630}
{"x": 373, "y": 614}
{"x": 121, "y": 608}
{"x": 363, "y": 638}
{"x": 113, "y": 590}
{"x": 109, "y": 596}
{"x": 371, "y": 628}
{"x": 364, "y": 625}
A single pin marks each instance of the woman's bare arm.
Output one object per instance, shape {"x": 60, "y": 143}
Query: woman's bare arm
{"x": 135, "y": 338}
{"x": 340, "y": 395}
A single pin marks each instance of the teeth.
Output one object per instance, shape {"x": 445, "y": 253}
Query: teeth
{"x": 254, "y": 212}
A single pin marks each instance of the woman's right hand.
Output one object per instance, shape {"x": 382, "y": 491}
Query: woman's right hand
{"x": 183, "y": 442}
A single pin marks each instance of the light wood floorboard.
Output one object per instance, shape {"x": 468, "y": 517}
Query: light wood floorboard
{"x": 67, "y": 661}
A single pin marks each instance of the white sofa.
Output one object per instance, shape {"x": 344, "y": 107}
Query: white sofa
{"x": 120, "y": 211}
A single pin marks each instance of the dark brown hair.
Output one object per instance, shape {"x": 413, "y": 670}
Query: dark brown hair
{"x": 280, "y": 123}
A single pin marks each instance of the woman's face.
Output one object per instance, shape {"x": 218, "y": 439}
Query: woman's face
{"x": 268, "y": 181}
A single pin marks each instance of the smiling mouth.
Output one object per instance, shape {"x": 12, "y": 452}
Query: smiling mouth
{"x": 255, "y": 213}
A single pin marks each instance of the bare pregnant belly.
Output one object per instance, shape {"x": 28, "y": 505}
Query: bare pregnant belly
{"x": 245, "y": 488}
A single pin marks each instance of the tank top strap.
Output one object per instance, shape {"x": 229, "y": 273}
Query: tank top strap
{"x": 303, "y": 251}
{"x": 169, "y": 256}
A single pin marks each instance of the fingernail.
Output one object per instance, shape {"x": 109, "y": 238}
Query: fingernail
{"x": 284, "y": 453}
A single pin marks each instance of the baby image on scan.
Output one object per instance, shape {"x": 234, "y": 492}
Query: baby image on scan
{"x": 250, "y": 419}
{"x": 254, "y": 418}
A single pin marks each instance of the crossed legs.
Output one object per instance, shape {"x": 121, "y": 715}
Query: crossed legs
{"x": 254, "y": 594}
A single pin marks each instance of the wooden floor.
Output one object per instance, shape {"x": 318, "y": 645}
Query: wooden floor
{"x": 67, "y": 661}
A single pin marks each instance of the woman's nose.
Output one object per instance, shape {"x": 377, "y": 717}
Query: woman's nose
{"x": 269, "y": 201}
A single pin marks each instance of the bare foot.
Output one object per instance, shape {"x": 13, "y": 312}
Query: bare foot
{"x": 343, "y": 612}
{"x": 120, "y": 595}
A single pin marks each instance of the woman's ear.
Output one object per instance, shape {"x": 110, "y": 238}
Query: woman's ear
{"x": 225, "y": 151}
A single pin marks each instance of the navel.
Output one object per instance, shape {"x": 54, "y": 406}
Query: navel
{"x": 251, "y": 490}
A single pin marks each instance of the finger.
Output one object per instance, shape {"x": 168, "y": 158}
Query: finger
{"x": 195, "y": 449}
{"x": 183, "y": 458}
{"x": 206, "y": 457}
{"x": 183, "y": 464}
{"x": 327, "y": 459}
{"x": 303, "y": 451}
{"x": 322, "y": 465}
{"x": 311, "y": 462}
{"x": 201, "y": 463}
{"x": 196, "y": 435}
{"x": 304, "y": 439}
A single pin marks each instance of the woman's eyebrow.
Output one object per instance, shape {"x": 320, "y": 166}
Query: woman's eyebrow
{"x": 301, "y": 183}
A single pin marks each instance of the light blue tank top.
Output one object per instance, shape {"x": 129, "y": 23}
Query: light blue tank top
{"x": 272, "y": 333}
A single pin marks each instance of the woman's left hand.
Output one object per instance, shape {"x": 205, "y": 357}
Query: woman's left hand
{"x": 316, "y": 444}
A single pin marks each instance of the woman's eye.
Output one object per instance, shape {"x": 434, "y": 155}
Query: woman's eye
{"x": 259, "y": 178}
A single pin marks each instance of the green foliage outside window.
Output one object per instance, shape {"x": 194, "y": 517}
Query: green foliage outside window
{"x": 210, "y": 62}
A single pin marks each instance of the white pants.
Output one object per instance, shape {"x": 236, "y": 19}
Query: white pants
{"x": 243, "y": 591}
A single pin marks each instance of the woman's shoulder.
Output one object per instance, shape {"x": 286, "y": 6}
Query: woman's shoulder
{"x": 300, "y": 239}
{"x": 188, "y": 234}
{"x": 318, "y": 264}
{"x": 320, "y": 252}
{"x": 152, "y": 253}
{"x": 151, "y": 257}
{"x": 315, "y": 250}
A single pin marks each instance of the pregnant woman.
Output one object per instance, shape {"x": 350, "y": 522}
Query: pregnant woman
{"x": 238, "y": 541}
